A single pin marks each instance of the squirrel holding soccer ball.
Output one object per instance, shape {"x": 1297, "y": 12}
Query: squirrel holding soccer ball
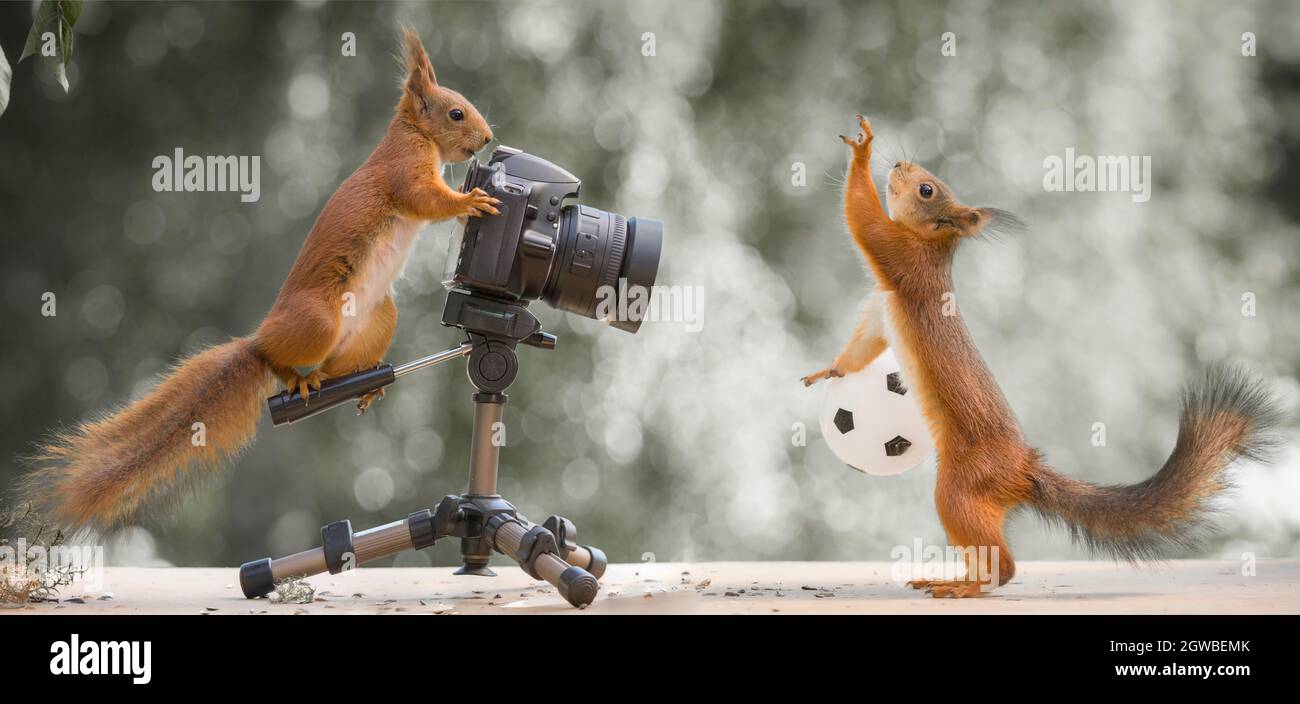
{"x": 985, "y": 466}
{"x": 100, "y": 472}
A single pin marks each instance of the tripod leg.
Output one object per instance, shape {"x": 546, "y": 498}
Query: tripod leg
{"x": 587, "y": 557}
{"x": 527, "y": 546}
{"x": 341, "y": 550}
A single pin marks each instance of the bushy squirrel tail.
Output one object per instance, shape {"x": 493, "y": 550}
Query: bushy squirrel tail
{"x": 1227, "y": 415}
{"x": 99, "y": 473}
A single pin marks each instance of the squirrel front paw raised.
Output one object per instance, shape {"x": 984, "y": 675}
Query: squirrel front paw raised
{"x": 862, "y": 144}
{"x": 478, "y": 203}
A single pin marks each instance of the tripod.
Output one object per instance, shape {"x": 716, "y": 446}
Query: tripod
{"x": 480, "y": 518}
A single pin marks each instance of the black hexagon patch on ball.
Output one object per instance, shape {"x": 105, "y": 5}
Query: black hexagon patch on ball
{"x": 894, "y": 381}
{"x": 843, "y": 421}
{"x": 897, "y": 446}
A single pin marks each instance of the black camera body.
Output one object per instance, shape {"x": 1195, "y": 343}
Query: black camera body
{"x": 574, "y": 257}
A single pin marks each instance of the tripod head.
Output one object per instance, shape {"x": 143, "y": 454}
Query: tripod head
{"x": 493, "y": 326}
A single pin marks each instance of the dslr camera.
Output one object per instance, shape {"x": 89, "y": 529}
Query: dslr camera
{"x": 541, "y": 246}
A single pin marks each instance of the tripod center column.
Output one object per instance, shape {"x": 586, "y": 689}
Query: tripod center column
{"x": 489, "y": 408}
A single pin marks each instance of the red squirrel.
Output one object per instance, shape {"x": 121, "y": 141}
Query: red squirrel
{"x": 99, "y": 473}
{"x": 985, "y": 467}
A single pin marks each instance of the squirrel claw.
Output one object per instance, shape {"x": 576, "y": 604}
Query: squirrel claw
{"x": 304, "y": 384}
{"x": 368, "y": 400}
{"x": 827, "y": 373}
{"x": 865, "y": 125}
{"x": 479, "y": 202}
{"x": 863, "y": 141}
{"x": 948, "y": 588}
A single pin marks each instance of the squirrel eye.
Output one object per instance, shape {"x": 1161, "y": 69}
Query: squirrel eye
{"x": 456, "y": 114}
{"x": 926, "y": 190}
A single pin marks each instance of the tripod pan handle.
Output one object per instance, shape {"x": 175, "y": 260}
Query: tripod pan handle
{"x": 289, "y": 407}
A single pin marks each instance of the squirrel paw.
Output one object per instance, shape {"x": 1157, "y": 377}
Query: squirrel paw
{"x": 478, "y": 203}
{"x": 948, "y": 588}
{"x": 862, "y": 143}
{"x": 303, "y": 384}
{"x": 823, "y": 374}
{"x": 366, "y": 401}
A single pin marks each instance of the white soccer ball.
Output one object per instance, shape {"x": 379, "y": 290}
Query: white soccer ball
{"x": 872, "y": 422}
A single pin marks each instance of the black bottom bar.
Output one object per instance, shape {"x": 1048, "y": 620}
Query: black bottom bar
{"x": 1023, "y": 655}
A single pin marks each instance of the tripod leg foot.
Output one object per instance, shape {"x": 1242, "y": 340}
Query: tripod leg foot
{"x": 475, "y": 570}
{"x": 255, "y": 578}
{"x": 577, "y": 586}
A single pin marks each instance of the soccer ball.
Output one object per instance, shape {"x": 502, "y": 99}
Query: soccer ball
{"x": 872, "y": 422}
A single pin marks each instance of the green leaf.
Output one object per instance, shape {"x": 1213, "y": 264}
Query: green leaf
{"x": 71, "y": 10}
{"x": 46, "y": 13}
{"x": 6, "y": 77}
{"x": 65, "y": 42}
{"x": 57, "y": 16}
{"x": 60, "y": 73}
{"x": 58, "y": 64}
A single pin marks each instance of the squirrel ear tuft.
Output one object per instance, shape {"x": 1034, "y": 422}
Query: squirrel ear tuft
{"x": 420, "y": 80}
{"x": 417, "y": 60}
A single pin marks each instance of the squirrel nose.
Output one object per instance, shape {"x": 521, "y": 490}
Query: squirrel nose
{"x": 487, "y": 139}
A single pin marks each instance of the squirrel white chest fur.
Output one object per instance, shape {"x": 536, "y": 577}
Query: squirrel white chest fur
{"x": 374, "y": 279}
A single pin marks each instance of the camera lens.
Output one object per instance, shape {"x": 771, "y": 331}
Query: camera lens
{"x": 605, "y": 265}
{"x": 576, "y": 258}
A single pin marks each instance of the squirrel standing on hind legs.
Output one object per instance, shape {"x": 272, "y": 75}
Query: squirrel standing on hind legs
{"x": 985, "y": 467}
{"x": 98, "y": 473}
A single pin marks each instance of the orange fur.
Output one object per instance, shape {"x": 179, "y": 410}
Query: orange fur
{"x": 334, "y": 315}
{"x": 100, "y": 472}
{"x": 986, "y": 468}
{"x": 399, "y": 186}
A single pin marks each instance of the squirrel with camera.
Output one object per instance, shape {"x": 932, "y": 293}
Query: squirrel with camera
{"x": 985, "y": 466}
{"x": 334, "y": 315}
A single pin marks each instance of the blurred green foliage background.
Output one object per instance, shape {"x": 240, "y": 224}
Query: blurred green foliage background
{"x": 669, "y": 444}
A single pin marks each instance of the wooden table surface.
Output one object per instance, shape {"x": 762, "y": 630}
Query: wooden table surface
{"x": 1191, "y": 586}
